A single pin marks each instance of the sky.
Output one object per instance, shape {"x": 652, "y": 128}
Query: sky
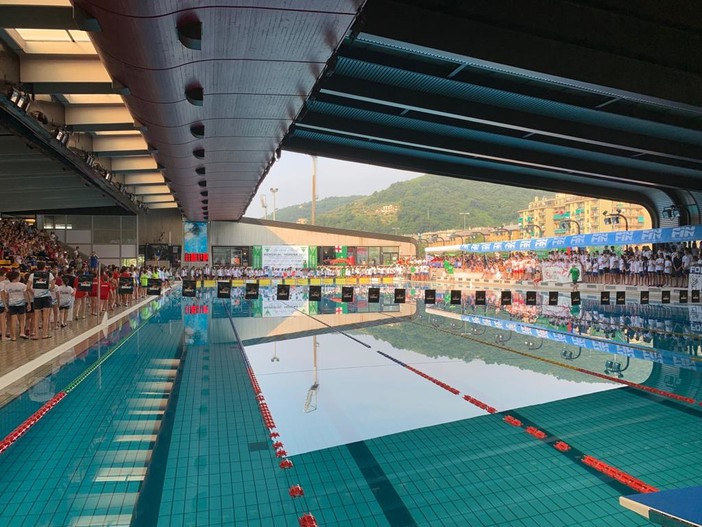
{"x": 292, "y": 176}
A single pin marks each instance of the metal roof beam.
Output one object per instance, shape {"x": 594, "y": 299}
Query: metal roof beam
{"x": 615, "y": 63}
{"x": 90, "y": 118}
{"x": 41, "y": 69}
{"x": 468, "y": 113}
{"x": 147, "y": 178}
{"x": 125, "y": 165}
{"x": 149, "y": 189}
{"x": 170, "y": 205}
{"x": 158, "y": 198}
{"x": 21, "y": 15}
{"x": 119, "y": 145}
{"x": 608, "y": 167}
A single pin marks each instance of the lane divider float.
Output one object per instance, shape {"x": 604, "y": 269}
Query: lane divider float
{"x": 560, "y": 445}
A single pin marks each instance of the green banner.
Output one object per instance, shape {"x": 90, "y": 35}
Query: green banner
{"x": 341, "y": 251}
{"x": 256, "y": 256}
{"x": 256, "y": 307}
{"x": 312, "y": 257}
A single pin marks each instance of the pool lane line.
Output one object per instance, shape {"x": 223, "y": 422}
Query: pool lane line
{"x": 28, "y": 423}
{"x": 333, "y": 328}
{"x": 295, "y": 490}
{"x": 538, "y": 432}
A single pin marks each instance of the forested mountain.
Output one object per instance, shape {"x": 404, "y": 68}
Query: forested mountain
{"x": 304, "y": 209}
{"x": 424, "y": 204}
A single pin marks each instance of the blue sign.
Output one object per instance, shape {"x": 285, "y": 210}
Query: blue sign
{"x": 195, "y": 237}
{"x": 641, "y": 237}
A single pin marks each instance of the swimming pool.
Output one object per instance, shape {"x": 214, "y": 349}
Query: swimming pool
{"x": 391, "y": 414}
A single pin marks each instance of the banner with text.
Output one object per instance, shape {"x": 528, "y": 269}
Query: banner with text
{"x": 285, "y": 256}
{"x": 641, "y": 237}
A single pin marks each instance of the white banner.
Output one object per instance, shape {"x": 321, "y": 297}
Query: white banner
{"x": 283, "y": 308}
{"x": 558, "y": 272}
{"x": 695, "y": 281}
{"x": 285, "y": 256}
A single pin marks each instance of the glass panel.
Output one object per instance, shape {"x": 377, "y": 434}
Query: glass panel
{"x": 106, "y": 229}
{"x": 129, "y": 229}
{"x": 362, "y": 255}
{"x": 221, "y": 255}
{"x": 81, "y": 223}
{"x": 374, "y": 255}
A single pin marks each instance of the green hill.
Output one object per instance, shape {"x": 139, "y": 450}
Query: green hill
{"x": 424, "y": 204}
{"x": 303, "y": 210}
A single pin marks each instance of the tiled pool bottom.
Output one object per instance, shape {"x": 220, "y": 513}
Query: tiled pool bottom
{"x": 168, "y": 431}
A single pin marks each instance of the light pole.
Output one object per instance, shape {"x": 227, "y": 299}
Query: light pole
{"x": 565, "y": 223}
{"x": 313, "y": 209}
{"x": 273, "y": 191}
{"x": 612, "y": 218}
{"x": 465, "y": 216}
{"x": 533, "y": 226}
{"x": 264, "y": 205}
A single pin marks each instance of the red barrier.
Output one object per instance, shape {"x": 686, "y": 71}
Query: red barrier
{"x": 512, "y": 421}
{"x": 30, "y": 421}
{"x": 562, "y": 446}
{"x": 538, "y": 434}
{"x": 296, "y": 491}
{"x": 619, "y": 475}
{"x": 307, "y": 520}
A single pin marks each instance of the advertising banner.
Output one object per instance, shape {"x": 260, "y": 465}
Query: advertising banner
{"x": 597, "y": 239}
{"x": 126, "y": 285}
{"x": 272, "y": 307}
{"x": 557, "y": 272}
{"x": 195, "y": 237}
{"x": 285, "y": 256}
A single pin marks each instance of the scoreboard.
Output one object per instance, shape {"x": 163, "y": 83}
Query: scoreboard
{"x": 196, "y": 257}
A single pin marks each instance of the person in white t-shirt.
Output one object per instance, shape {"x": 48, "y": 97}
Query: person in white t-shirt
{"x": 17, "y": 300}
{"x": 65, "y": 300}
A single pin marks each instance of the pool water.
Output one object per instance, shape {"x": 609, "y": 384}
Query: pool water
{"x": 391, "y": 414}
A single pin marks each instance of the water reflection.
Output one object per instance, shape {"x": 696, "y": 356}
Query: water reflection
{"x": 325, "y": 389}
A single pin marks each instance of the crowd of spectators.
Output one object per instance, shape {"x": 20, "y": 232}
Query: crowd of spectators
{"x": 662, "y": 265}
{"x": 417, "y": 269}
{"x": 44, "y": 286}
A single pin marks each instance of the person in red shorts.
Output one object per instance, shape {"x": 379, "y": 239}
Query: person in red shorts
{"x": 80, "y": 306}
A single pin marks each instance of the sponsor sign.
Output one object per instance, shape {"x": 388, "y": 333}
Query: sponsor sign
{"x": 153, "y": 286}
{"x": 347, "y": 294}
{"x": 315, "y": 294}
{"x": 283, "y": 292}
{"x": 189, "y": 288}
{"x": 251, "y": 291}
{"x": 126, "y": 285}
{"x": 430, "y": 296}
{"x": 373, "y": 295}
{"x": 285, "y": 256}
